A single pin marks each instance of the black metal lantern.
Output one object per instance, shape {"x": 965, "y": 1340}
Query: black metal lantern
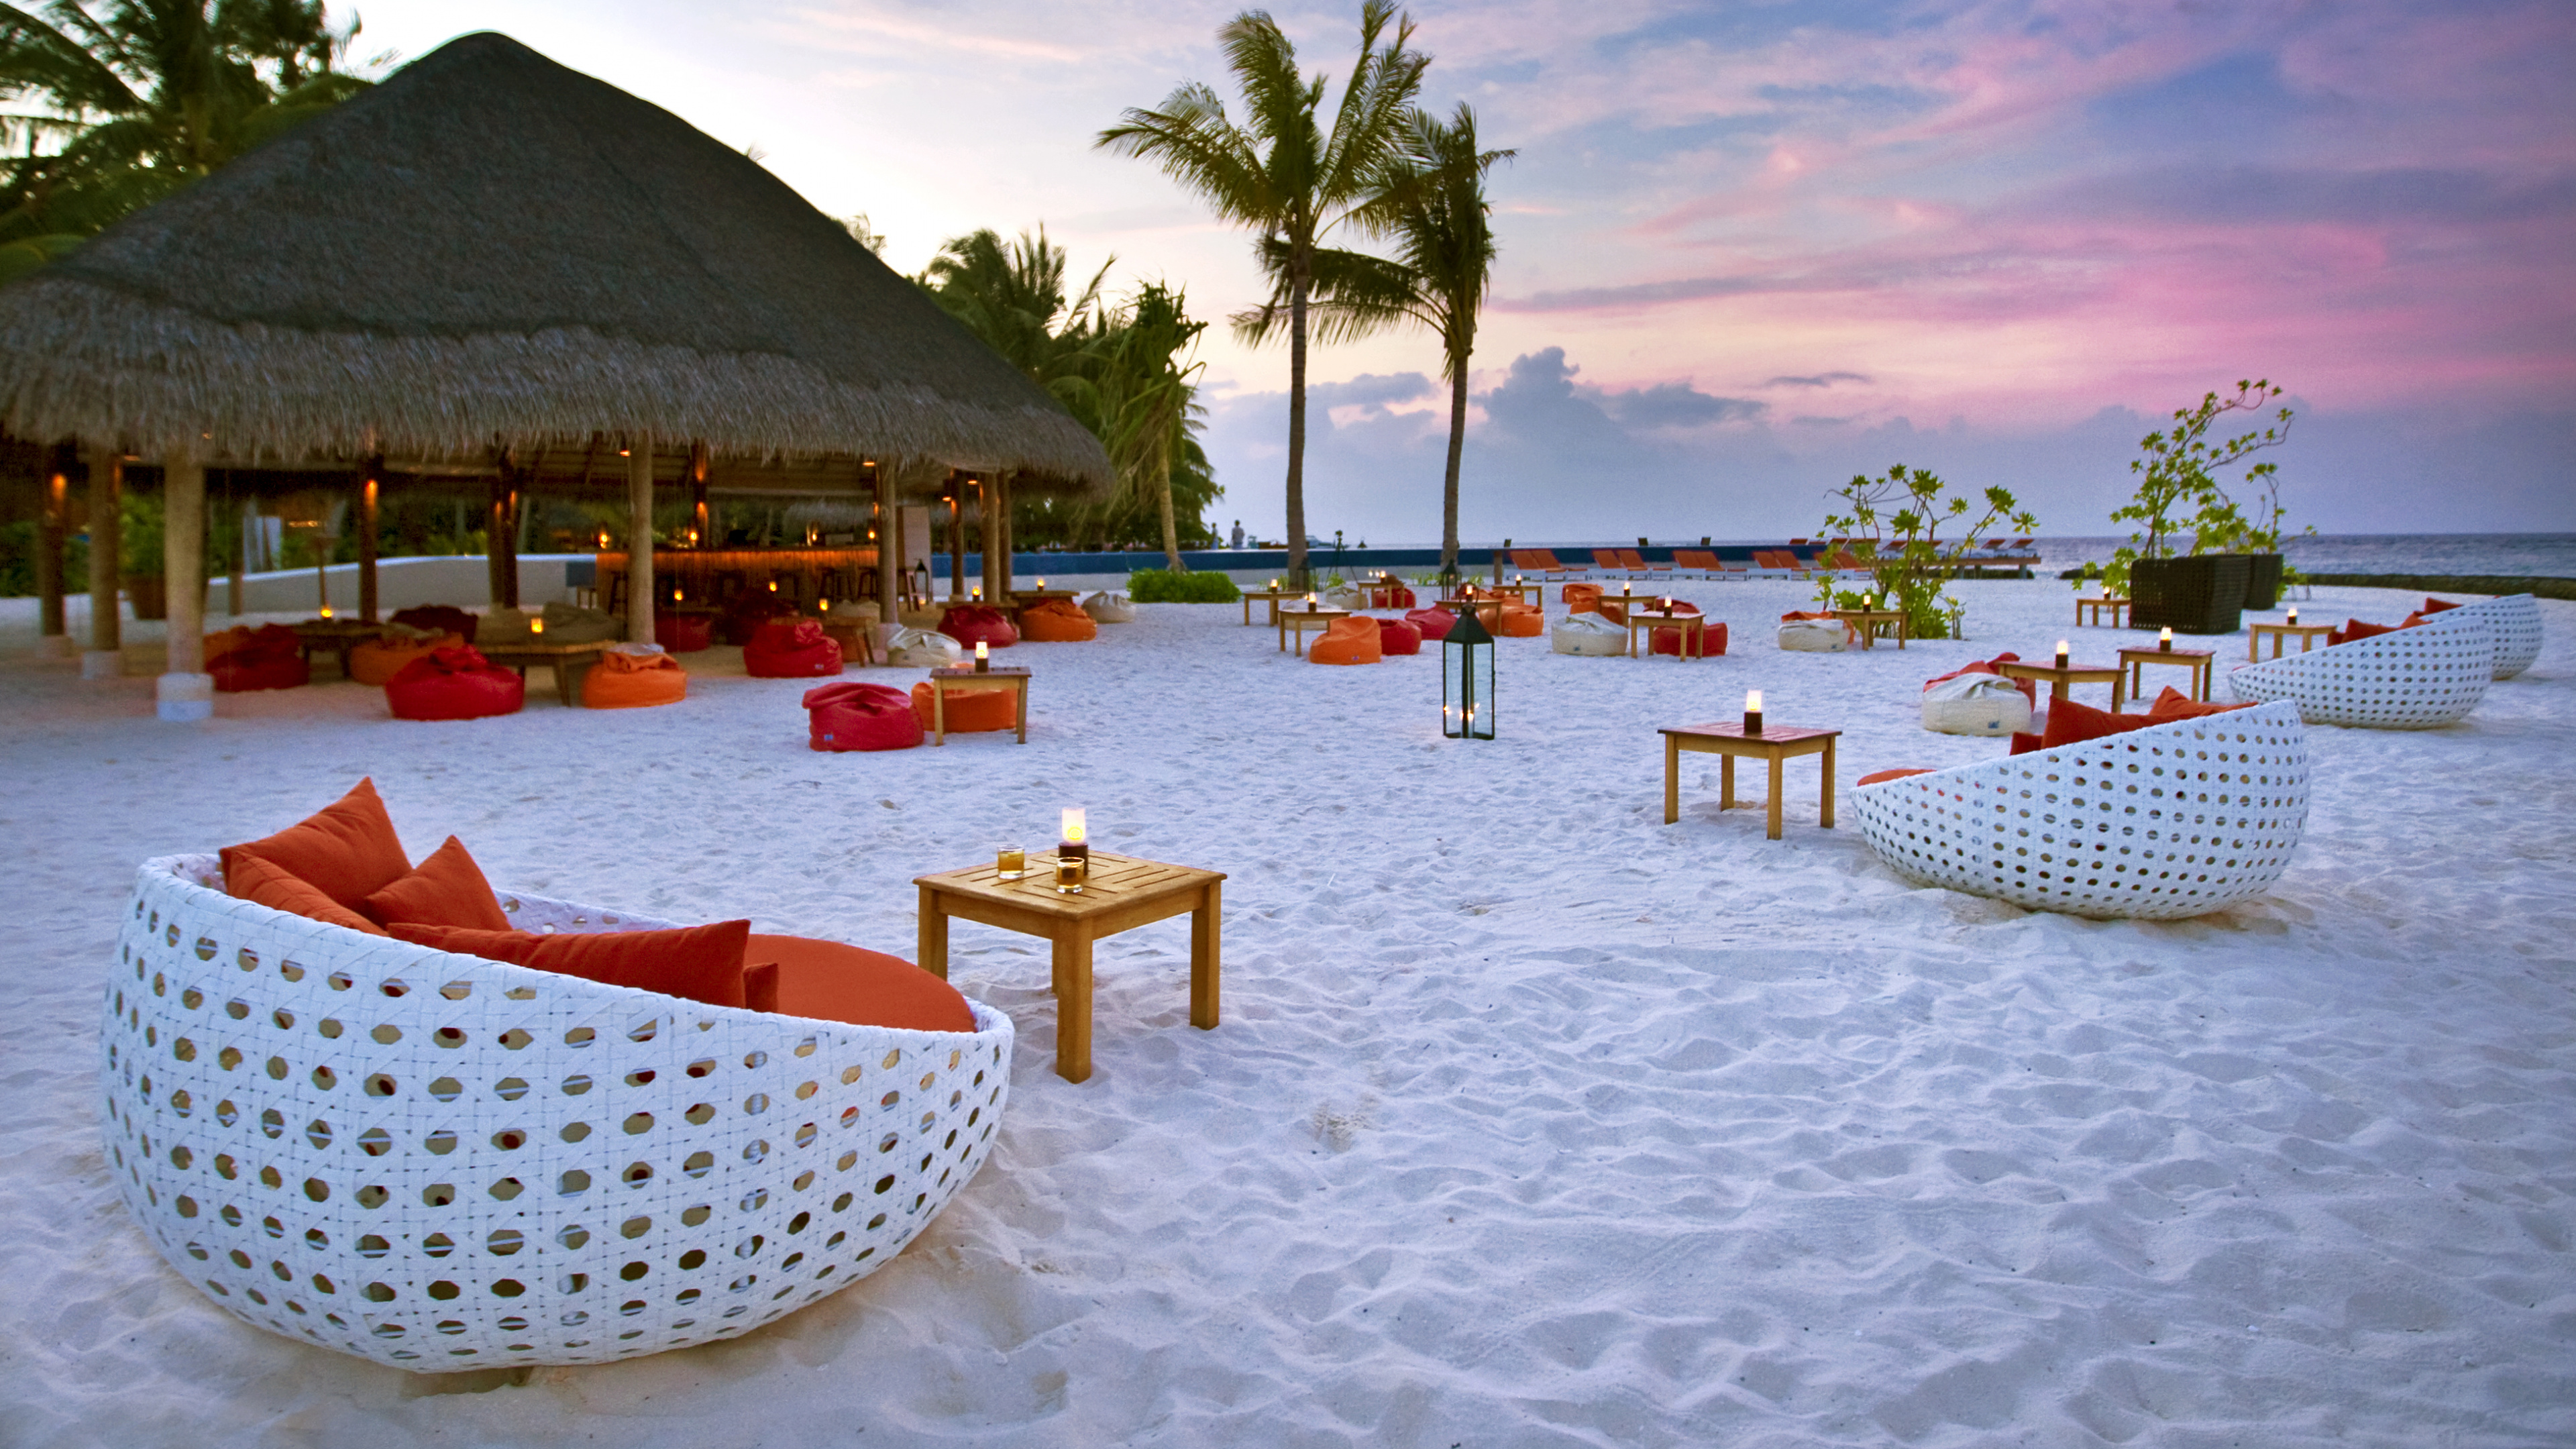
{"x": 1449, "y": 581}
{"x": 1467, "y": 680}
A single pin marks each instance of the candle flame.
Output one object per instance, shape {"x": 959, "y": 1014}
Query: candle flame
{"x": 1753, "y": 701}
{"x": 1076, "y": 828}
{"x": 981, "y": 651}
{"x": 536, "y": 626}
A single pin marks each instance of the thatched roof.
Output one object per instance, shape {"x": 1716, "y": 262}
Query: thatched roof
{"x": 492, "y": 249}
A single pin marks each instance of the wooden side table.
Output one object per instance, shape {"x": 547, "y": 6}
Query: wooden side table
{"x": 335, "y": 637}
{"x": 858, "y": 640}
{"x": 568, "y": 661}
{"x": 2199, "y": 661}
{"x": 1693, "y": 628}
{"x": 2306, "y": 634}
{"x": 1871, "y": 623}
{"x": 1121, "y": 894}
{"x": 2119, "y": 609}
{"x": 1298, "y": 621}
{"x": 1727, "y": 739}
{"x": 2061, "y": 680}
{"x": 950, "y": 679}
{"x": 1272, "y": 597}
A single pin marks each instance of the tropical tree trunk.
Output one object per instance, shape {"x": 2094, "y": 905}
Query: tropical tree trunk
{"x": 1298, "y": 577}
{"x": 1449, "y": 487}
{"x": 1171, "y": 530}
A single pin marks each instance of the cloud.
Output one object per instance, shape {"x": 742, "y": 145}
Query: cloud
{"x": 1821, "y": 379}
{"x": 1678, "y": 405}
{"x": 1369, "y": 390}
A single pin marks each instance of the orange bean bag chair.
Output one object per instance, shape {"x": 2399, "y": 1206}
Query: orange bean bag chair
{"x": 791, "y": 649}
{"x": 1581, "y": 598}
{"x": 1711, "y": 641}
{"x": 1057, "y": 621}
{"x": 970, "y": 624}
{"x": 1520, "y": 622}
{"x": 270, "y": 657}
{"x": 1434, "y": 624}
{"x": 376, "y": 662}
{"x": 1347, "y": 641}
{"x": 439, "y": 619}
{"x": 854, "y": 716}
{"x": 624, "y": 680}
{"x": 454, "y": 683}
{"x": 970, "y": 711}
{"x": 225, "y": 641}
{"x": 1398, "y": 636}
{"x": 684, "y": 633}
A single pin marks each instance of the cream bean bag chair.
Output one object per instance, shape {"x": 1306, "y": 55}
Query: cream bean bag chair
{"x": 1110, "y": 607}
{"x": 913, "y": 648}
{"x": 572, "y": 624}
{"x": 1817, "y": 636}
{"x": 1345, "y": 596}
{"x": 1975, "y": 704}
{"x": 503, "y": 626}
{"x": 1587, "y": 634}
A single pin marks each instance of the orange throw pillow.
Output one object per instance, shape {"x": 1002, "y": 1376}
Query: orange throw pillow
{"x": 1878, "y": 775}
{"x": 253, "y": 879}
{"x": 2355, "y": 629}
{"x": 2070, "y": 723}
{"x": 447, "y": 889}
{"x": 827, "y": 981}
{"x": 2434, "y": 606}
{"x": 2173, "y": 704}
{"x": 348, "y": 850}
{"x": 700, "y": 963}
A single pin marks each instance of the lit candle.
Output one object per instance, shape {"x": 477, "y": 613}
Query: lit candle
{"x": 1310, "y": 603}
{"x": 827, "y": 606}
{"x": 2294, "y": 613}
{"x": 983, "y": 657}
{"x": 1274, "y": 586}
{"x": 1076, "y": 828}
{"x": 977, "y": 593}
{"x": 2061, "y": 654}
{"x": 1041, "y": 583}
{"x": 1865, "y": 601}
{"x": 773, "y": 586}
{"x": 326, "y": 611}
{"x": 536, "y": 628}
{"x": 1073, "y": 852}
{"x": 1753, "y": 711}
{"x": 2164, "y": 639}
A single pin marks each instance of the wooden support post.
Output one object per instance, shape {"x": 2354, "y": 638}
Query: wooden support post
{"x": 495, "y": 530}
{"x": 701, "y": 523}
{"x": 1001, "y": 500}
{"x": 888, "y": 532}
{"x": 233, "y": 565}
{"x": 186, "y": 691}
{"x": 52, "y": 639}
{"x": 997, "y": 588}
{"x": 368, "y": 488}
{"x": 640, "y": 596}
{"x": 956, "y": 536}
{"x": 106, "y": 541}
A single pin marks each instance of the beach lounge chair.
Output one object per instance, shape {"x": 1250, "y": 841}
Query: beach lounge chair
{"x": 1543, "y": 562}
{"x": 1706, "y": 563}
{"x": 2206, "y": 814}
{"x": 451, "y": 1162}
{"x": 1637, "y": 566}
{"x": 1605, "y": 562}
{"x": 2416, "y": 678}
{"x": 1773, "y": 563}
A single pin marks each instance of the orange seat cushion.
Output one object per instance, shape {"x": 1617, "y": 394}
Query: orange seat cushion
{"x": 447, "y": 889}
{"x": 827, "y": 981}
{"x": 1581, "y": 598}
{"x": 253, "y": 879}
{"x": 1348, "y": 641}
{"x": 2173, "y": 704}
{"x": 1057, "y": 621}
{"x": 633, "y": 681}
{"x": 347, "y": 850}
{"x": 698, "y": 963}
{"x": 2070, "y": 723}
{"x": 1520, "y": 623}
{"x": 970, "y": 711}
{"x": 1876, "y": 776}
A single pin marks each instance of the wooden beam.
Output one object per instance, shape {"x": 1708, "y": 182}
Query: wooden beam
{"x": 956, "y": 535}
{"x": 1000, "y": 502}
{"x": 996, "y": 576}
{"x": 639, "y": 540}
{"x": 186, "y": 691}
{"x": 233, "y": 566}
{"x": 888, "y": 542}
{"x": 369, "y": 486}
{"x": 701, "y": 529}
{"x": 106, "y": 529}
{"x": 50, "y": 527}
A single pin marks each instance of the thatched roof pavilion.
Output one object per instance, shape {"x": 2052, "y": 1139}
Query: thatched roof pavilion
{"x": 491, "y": 257}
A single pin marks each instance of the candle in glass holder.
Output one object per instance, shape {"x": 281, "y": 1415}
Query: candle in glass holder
{"x": 2294, "y": 613}
{"x": 1865, "y": 601}
{"x": 773, "y": 586}
{"x": 326, "y": 611}
{"x": 825, "y": 606}
{"x": 1753, "y": 711}
{"x": 1074, "y": 845}
{"x": 976, "y": 593}
{"x": 536, "y": 628}
{"x": 2061, "y": 654}
{"x": 2164, "y": 639}
{"x": 983, "y": 657}
{"x": 1311, "y": 603}
{"x": 1042, "y": 583}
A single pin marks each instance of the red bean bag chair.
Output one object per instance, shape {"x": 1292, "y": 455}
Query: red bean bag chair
{"x": 265, "y": 658}
{"x": 1347, "y": 641}
{"x": 971, "y": 624}
{"x": 791, "y": 649}
{"x": 970, "y": 711}
{"x": 1521, "y": 623}
{"x": 1712, "y": 640}
{"x": 1391, "y": 596}
{"x": 744, "y": 617}
{"x": 623, "y": 680}
{"x": 455, "y": 683}
{"x": 1057, "y": 621}
{"x": 1433, "y": 623}
{"x": 854, "y": 716}
{"x": 684, "y": 633}
{"x": 1581, "y": 598}
{"x": 439, "y": 618}
{"x": 377, "y": 661}
{"x": 1397, "y": 636}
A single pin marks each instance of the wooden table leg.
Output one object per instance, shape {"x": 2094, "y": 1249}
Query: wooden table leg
{"x": 931, "y": 944}
{"x": 1773, "y": 831}
{"x": 1825, "y": 815}
{"x": 2119, "y": 695}
{"x": 1023, "y": 691}
{"x": 939, "y": 711}
{"x": 1073, "y": 1004}
{"x": 1726, "y": 782}
{"x": 2059, "y": 690}
{"x": 1672, "y": 779}
{"x": 1206, "y": 924}
{"x": 1247, "y": 611}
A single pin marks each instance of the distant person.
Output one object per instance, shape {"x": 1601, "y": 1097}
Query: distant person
{"x": 1238, "y": 533}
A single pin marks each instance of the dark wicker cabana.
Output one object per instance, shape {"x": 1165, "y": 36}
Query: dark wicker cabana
{"x": 492, "y": 264}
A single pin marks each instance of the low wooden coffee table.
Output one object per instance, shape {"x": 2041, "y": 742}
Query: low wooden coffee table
{"x": 857, "y": 638}
{"x": 1871, "y": 623}
{"x": 335, "y": 637}
{"x": 568, "y": 661}
{"x": 1272, "y": 597}
{"x": 1121, "y": 894}
{"x": 950, "y": 679}
{"x": 1693, "y": 627}
{"x": 1298, "y": 621}
{"x": 1727, "y": 739}
{"x": 2060, "y": 680}
{"x": 2117, "y": 608}
{"x": 2199, "y": 661}
{"x": 2306, "y": 634}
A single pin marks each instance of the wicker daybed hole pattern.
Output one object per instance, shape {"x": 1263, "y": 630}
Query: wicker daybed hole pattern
{"x": 440, "y": 1162}
{"x": 2514, "y": 620}
{"x": 2408, "y": 679}
{"x": 2173, "y": 820}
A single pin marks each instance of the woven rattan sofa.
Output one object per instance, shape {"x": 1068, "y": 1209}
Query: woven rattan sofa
{"x": 440, "y": 1162}
{"x": 2168, "y": 821}
{"x": 2514, "y": 620}
{"x": 2407, "y": 679}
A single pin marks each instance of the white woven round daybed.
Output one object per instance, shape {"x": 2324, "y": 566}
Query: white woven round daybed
{"x": 2172, "y": 820}
{"x": 2514, "y": 621}
{"x": 440, "y": 1162}
{"x": 2407, "y": 679}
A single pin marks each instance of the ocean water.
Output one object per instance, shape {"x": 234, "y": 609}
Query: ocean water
{"x": 2543, "y": 555}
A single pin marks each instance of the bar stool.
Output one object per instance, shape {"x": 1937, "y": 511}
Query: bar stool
{"x": 789, "y": 585}
{"x": 730, "y": 582}
{"x": 617, "y": 593}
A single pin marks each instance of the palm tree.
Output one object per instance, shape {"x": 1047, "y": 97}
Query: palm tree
{"x": 1149, "y": 400}
{"x": 1279, "y": 173}
{"x": 1013, "y": 297}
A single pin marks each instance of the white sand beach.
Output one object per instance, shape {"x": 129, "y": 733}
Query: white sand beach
{"x": 1532, "y": 1120}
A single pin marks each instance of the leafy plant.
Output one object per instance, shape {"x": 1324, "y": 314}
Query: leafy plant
{"x": 2179, "y": 491}
{"x": 1894, "y": 530}
{"x": 1163, "y": 586}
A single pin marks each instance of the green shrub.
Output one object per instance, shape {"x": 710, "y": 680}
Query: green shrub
{"x": 1162, "y": 586}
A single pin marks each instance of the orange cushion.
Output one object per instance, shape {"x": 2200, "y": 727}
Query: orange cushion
{"x": 827, "y": 981}
{"x": 633, "y": 681}
{"x": 347, "y": 850}
{"x": 1878, "y": 775}
{"x": 2355, "y": 629}
{"x": 2173, "y": 704}
{"x": 447, "y": 889}
{"x": 2435, "y": 606}
{"x": 1057, "y": 621}
{"x": 2070, "y": 723}
{"x": 1348, "y": 641}
{"x": 253, "y": 879}
{"x": 1581, "y": 598}
{"x": 1521, "y": 623}
{"x": 970, "y": 711}
{"x": 699, "y": 963}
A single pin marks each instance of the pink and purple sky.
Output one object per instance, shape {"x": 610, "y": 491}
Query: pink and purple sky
{"x": 1751, "y": 248}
